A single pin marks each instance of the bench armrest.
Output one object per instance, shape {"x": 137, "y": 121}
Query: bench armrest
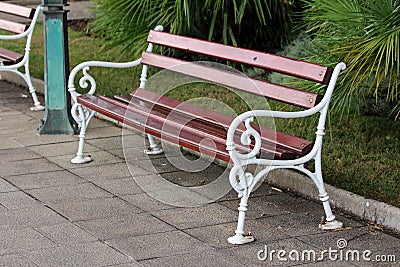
{"x": 248, "y": 117}
{"x": 87, "y": 78}
{"x": 85, "y": 66}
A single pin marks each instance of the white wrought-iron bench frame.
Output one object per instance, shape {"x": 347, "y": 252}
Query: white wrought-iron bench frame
{"x": 241, "y": 132}
{"x": 12, "y": 61}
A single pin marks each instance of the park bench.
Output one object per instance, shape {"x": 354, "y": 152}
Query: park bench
{"x": 237, "y": 140}
{"x": 19, "y": 22}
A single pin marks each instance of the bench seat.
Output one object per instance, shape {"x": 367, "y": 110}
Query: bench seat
{"x": 147, "y": 111}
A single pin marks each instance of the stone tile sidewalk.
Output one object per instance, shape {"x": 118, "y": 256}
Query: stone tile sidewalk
{"x": 54, "y": 213}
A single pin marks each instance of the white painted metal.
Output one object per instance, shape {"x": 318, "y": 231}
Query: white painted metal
{"x": 25, "y": 61}
{"x": 82, "y": 115}
{"x": 243, "y": 182}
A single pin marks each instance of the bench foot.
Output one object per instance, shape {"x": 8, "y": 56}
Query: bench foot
{"x": 37, "y": 108}
{"x": 332, "y": 225}
{"x": 240, "y": 239}
{"x": 80, "y": 159}
{"x": 153, "y": 151}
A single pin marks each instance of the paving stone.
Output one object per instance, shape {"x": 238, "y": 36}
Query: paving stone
{"x": 18, "y": 154}
{"x": 36, "y": 139}
{"x": 27, "y": 166}
{"x": 184, "y": 218}
{"x": 15, "y": 260}
{"x": 263, "y": 189}
{"x": 68, "y": 193}
{"x": 145, "y": 202}
{"x": 60, "y": 149}
{"x": 125, "y": 226}
{"x": 9, "y": 144}
{"x": 155, "y": 165}
{"x": 6, "y": 186}
{"x": 201, "y": 178}
{"x": 13, "y": 240}
{"x": 99, "y": 158}
{"x": 129, "y": 264}
{"x": 198, "y": 259}
{"x": 114, "y": 142}
{"x": 180, "y": 196}
{"x": 158, "y": 245}
{"x": 119, "y": 152}
{"x": 295, "y": 224}
{"x": 15, "y": 120}
{"x": 45, "y": 179}
{"x": 293, "y": 203}
{"x": 17, "y": 200}
{"x": 123, "y": 186}
{"x": 258, "y": 207}
{"x": 87, "y": 209}
{"x": 88, "y": 254}
{"x": 107, "y": 171}
{"x": 217, "y": 235}
{"x": 95, "y": 133}
{"x": 36, "y": 216}
{"x": 66, "y": 234}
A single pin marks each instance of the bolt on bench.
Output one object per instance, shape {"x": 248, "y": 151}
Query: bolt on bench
{"x": 236, "y": 140}
{"x": 11, "y": 61}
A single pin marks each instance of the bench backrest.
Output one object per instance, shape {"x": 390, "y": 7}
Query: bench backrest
{"x": 295, "y": 68}
{"x": 15, "y": 10}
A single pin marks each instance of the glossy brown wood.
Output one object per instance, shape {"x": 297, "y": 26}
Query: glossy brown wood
{"x": 297, "y": 68}
{"x": 9, "y": 57}
{"x": 215, "y": 119}
{"x": 21, "y": 11}
{"x": 233, "y": 80}
{"x": 13, "y": 27}
{"x": 184, "y": 129}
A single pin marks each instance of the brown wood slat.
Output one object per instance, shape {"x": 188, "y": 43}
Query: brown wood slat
{"x": 226, "y": 78}
{"x": 208, "y": 117}
{"x": 21, "y": 11}
{"x": 140, "y": 120}
{"x": 297, "y": 68}
{"x": 13, "y": 27}
{"x": 154, "y": 121}
{"x": 283, "y": 145}
{"x": 10, "y": 56}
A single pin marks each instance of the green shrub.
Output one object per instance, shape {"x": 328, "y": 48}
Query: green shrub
{"x": 257, "y": 24}
{"x": 366, "y": 36}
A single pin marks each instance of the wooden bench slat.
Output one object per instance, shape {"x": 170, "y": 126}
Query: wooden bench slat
{"x": 10, "y": 56}
{"x": 21, "y": 11}
{"x": 281, "y": 93}
{"x": 191, "y": 133}
{"x": 297, "y": 68}
{"x": 13, "y": 27}
{"x": 140, "y": 120}
{"x": 282, "y": 140}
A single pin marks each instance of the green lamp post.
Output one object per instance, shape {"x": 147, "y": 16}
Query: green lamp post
{"x": 57, "y": 118}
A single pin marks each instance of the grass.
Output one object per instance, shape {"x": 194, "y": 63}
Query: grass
{"x": 360, "y": 154}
